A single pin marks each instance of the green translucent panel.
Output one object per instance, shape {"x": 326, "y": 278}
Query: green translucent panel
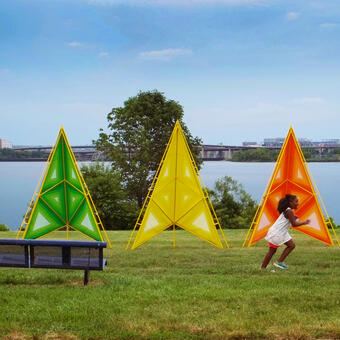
{"x": 71, "y": 173}
{"x": 43, "y": 221}
{"x": 74, "y": 198}
{"x": 55, "y": 172}
{"x": 60, "y": 202}
{"x": 84, "y": 222}
{"x": 55, "y": 198}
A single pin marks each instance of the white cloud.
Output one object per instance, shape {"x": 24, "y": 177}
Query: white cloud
{"x": 328, "y": 25}
{"x": 179, "y": 2}
{"x": 104, "y": 54}
{"x": 76, "y": 44}
{"x": 292, "y": 16}
{"x": 166, "y": 54}
{"x": 4, "y": 70}
{"x": 309, "y": 100}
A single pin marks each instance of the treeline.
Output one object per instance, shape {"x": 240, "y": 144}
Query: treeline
{"x": 267, "y": 155}
{"x": 256, "y": 155}
{"x": 9, "y": 155}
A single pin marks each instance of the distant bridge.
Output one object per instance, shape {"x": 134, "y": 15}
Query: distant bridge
{"x": 226, "y": 152}
{"x": 82, "y": 152}
{"x": 208, "y": 152}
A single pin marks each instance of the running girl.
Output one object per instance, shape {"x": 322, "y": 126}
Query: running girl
{"x": 278, "y": 233}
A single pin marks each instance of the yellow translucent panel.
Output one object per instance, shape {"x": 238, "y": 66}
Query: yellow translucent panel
{"x": 167, "y": 172}
{"x": 154, "y": 222}
{"x": 185, "y": 169}
{"x": 186, "y": 198}
{"x": 199, "y": 222}
{"x": 165, "y": 198}
{"x": 290, "y": 176}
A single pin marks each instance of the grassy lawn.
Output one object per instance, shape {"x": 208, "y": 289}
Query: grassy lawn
{"x": 191, "y": 292}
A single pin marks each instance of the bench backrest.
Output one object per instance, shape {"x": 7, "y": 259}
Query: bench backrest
{"x": 52, "y": 254}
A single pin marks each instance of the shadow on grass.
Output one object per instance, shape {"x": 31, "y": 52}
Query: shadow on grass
{"x": 24, "y": 277}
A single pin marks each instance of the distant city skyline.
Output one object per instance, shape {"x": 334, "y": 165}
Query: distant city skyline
{"x": 260, "y": 142}
{"x": 238, "y": 67}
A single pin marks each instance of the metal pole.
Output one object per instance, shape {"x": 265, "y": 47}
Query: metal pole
{"x": 86, "y": 276}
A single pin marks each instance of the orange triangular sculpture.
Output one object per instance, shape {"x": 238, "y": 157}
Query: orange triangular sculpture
{"x": 291, "y": 176}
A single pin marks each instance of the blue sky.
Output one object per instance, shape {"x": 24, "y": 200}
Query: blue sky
{"x": 242, "y": 69}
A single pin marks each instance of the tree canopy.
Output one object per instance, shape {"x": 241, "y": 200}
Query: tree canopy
{"x": 115, "y": 209}
{"x": 137, "y": 136}
{"x": 234, "y": 207}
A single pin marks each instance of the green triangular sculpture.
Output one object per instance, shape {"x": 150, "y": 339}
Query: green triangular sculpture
{"x": 63, "y": 199}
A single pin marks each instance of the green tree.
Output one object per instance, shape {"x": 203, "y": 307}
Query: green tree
{"x": 234, "y": 207}
{"x": 137, "y": 137}
{"x": 307, "y": 153}
{"x": 331, "y": 219}
{"x": 4, "y": 227}
{"x": 115, "y": 209}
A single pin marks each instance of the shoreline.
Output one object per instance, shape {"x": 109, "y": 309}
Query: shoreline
{"x": 210, "y": 160}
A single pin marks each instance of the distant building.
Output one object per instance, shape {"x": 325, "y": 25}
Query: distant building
{"x": 330, "y": 142}
{"x": 273, "y": 142}
{"x": 5, "y": 144}
{"x": 305, "y": 142}
{"x": 250, "y": 144}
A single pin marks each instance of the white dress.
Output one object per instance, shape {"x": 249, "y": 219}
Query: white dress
{"x": 278, "y": 233}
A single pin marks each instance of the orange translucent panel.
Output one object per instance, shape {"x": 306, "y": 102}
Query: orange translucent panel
{"x": 317, "y": 227}
{"x": 280, "y": 175}
{"x": 290, "y": 176}
{"x": 274, "y": 198}
{"x": 301, "y": 193}
{"x": 297, "y": 171}
{"x": 267, "y": 218}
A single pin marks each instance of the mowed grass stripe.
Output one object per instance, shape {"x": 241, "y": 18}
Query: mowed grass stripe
{"x": 194, "y": 291}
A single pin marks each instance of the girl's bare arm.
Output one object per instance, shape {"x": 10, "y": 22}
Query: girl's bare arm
{"x": 294, "y": 220}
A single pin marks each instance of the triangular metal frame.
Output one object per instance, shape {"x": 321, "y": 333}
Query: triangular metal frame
{"x": 153, "y": 184}
{"x": 254, "y": 224}
{"x": 87, "y": 196}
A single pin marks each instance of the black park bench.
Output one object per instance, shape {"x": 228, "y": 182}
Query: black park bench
{"x": 55, "y": 254}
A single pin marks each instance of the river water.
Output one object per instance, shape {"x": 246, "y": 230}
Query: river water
{"x": 19, "y": 179}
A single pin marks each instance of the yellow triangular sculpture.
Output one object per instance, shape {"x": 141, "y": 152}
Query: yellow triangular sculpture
{"x": 177, "y": 197}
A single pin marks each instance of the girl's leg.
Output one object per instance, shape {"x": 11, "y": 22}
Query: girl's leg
{"x": 267, "y": 258}
{"x": 290, "y": 247}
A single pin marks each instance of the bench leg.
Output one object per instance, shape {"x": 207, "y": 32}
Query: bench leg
{"x": 86, "y": 276}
